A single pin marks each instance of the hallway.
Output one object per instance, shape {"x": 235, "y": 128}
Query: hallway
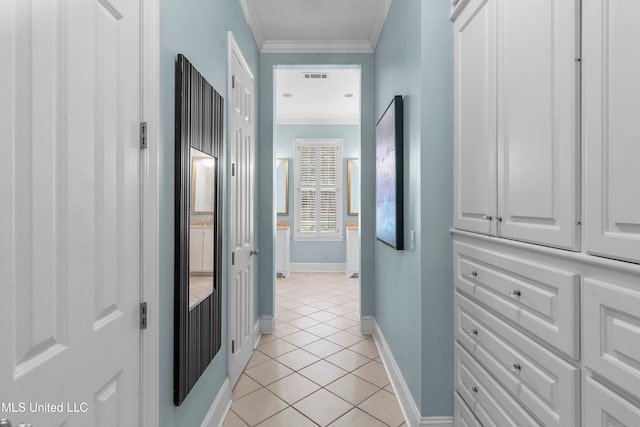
{"x": 316, "y": 368}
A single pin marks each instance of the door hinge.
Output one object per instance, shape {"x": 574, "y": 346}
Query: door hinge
{"x": 233, "y": 82}
{"x": 233, "y": 258}
{"x": 143, "y": 315}
{"x": 233, "y": 346}
{"x": 143, "y": 135}
{"x": 233, "y": 169}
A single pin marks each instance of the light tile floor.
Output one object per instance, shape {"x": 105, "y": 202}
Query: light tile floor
{"x": 316, "y": 369}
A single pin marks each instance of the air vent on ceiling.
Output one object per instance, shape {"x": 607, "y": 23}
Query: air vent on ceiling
{"x": 316, "y": 75}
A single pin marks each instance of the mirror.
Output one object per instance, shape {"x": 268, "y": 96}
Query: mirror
{"x": 353, "y": 186}
{"x": 201, "y": 247}
{"x": 198, "y": 225}
{"x": 282, "y": 187}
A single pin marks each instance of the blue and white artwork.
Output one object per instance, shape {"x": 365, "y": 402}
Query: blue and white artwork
{"x": 386, "y": 178}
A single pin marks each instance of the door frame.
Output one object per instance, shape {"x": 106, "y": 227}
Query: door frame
{"x": 234, "y": 49}
{"x": 150, "y": 211}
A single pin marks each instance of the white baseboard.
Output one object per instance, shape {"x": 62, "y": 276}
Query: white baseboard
{"x": 436, "y": 422}
{"x": 318, "y": 267}
{"x": 220, "y": 407}
{"x": 266, "y": 324}
{"x": 366, "y": 325}
{"x": 257, "y": 332}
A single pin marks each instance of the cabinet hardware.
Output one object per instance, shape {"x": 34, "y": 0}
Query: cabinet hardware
{"x": 516, "y": 367}
{"x": 474, "y": 332}
{"x": 488, "y": 217}
{"x": 499, "y": 218}
{"x": 474, "y": 389}
{"x": 474, "y": 274}
{"x": 516, "y": 293}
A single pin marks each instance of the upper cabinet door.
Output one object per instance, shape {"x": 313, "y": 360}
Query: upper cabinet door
{"x": 611, "y": 95}
{"x": 475, "y": 117}
{"x": 538, "y": 122}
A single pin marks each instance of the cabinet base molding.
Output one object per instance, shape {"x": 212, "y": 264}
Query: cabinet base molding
{"x": 436, "y": 422}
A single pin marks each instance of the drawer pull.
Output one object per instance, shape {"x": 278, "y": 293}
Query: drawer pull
{"x": 516, "y": 367}
{"x": 516, "y": 293}
{"x": 474, "y": 389}
{"x": 473, "y": 332}
{"x": 474, "y": 274}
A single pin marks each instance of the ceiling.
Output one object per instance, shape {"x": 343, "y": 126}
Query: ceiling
{"x": 317, "y": 95}
{"x": 316, "y": 25}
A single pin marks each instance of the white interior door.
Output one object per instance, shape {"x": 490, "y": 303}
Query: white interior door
{"x": 70, "y": 212}
{"x": 241, "y": 160}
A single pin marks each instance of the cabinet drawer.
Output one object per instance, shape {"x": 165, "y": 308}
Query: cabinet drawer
{"x": 538, "y": 298}
{"x": 462, "y": 415}
{"x": 605, "y": 408}
{"x": 541, "y": 381}
{"x": 612, "y": 333}
{"x": 491, "y": 404}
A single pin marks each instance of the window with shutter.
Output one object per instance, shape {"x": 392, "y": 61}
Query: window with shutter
{"x": 318, "y": 200}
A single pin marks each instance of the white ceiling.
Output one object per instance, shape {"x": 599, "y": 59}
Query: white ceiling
{"x": 316, "y": 25}
{"x": 317, "y": 101}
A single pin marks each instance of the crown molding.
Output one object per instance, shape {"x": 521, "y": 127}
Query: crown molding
{"x": 251, "y": 17}
{"x": 381, "y": 17}
{"x": 311, "y": 46}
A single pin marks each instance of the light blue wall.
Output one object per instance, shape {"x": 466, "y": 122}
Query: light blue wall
{"x": 197, "y": 29}
{"x": 285, "y": 135}
{"x": 437, "y": 209}
{"x": 413, "y": 287}
{"x": 266, "y": 159}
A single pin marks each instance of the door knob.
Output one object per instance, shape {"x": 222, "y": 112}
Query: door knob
{"x": 255, "y": 252}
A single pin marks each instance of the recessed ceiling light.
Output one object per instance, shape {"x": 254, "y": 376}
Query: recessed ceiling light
{"x": 287, "y": 95}
{"x": 348, "y": 95}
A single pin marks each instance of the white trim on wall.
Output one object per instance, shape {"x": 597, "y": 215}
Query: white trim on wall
{"x": 150, "y": 200}
{"x": 311, "y": 46}
{"x": 318, "y": 267}
{"x": 318, "y": 121}
{"x": 267, "y": 324}
{"x": 257, "y": 333}
{"x": 366, "y": 325}
{"x": 220, "y": 406}
{"x": 407, "y": 404}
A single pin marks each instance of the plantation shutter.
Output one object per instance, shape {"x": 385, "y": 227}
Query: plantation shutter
{"x": 318, "y": 201}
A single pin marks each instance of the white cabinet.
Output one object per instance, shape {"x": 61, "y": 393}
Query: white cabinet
{"x": 283, "y": 251}
{"x": 201, "y": 250}
{"x": 605, "y": 408}
{"x": 516, "y": 133}
{"x": 475, "y": 137}
{"x": 353, "y": 250}
{"x": 611, "y": 117}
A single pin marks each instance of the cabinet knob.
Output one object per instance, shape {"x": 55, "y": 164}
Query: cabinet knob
{"x": 516, "y": 367}
{"x": 473, "y": 332}
{"x": 516, "y": 293}
{"x": 488, "y": 217}
{"x": 474, "y": 389}
{"x": 474, "y": 274}
{"x": 499, "y": 218}
{"x": 255, "y": 252}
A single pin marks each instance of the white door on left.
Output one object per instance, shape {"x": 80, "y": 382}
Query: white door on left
{"x": 70, "y": 212}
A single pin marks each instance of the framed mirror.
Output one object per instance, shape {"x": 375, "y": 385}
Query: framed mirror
{"x": 353, "y": 187}
{"x": 198, "y": 226}
{"x": 282, "y": 187}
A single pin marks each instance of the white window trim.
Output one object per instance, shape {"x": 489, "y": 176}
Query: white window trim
{"x": 317, "y": 236}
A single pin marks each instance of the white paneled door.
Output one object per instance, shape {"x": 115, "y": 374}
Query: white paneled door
{"x": 611, "y": 95}
{"x": 70, "y": 212}
{"x": 241, "y": 239}
{"x": 538, "y": 131}
{"x": 475, "y": 117}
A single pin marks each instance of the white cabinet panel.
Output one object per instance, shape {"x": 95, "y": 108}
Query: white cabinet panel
{"x": 353, "y": 251}
{"x": 604, "y": 408}
{"x": 462, "y": 415}
{"x": 538, "y": 298}
{"x": 541, "y": 381}
{"x": 493, "y": 406}
{"x": 195, "y": 250}
{"x": 207, "y": 250}
{"x": 611, "y": 94}
{"x": 283, "y": 251}
{"x": 538, "y": 145}
{"x": 612, "y": 333}
{"x": 475, "y": 117}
